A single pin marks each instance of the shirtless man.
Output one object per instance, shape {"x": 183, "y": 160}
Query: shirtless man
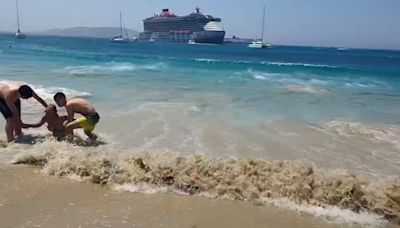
{"x": 89, "y": 117}
{"x": 55, "y": 123}
{"x": 10, "y": 106}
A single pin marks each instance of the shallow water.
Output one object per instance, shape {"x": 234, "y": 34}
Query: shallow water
{"x": 31, "y": 200}
{"x": 332, "y": 109}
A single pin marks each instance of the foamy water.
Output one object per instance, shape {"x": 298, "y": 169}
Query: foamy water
{"x": 335, "y": 195}
{"x": 306, "y": 131}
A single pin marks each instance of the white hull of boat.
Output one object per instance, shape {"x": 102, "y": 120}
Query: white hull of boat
{"x": 259, "y": 45}
{"x": 120, "y": 40}
{"x": 20, "y": 35}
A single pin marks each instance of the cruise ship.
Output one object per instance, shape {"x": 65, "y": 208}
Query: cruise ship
{"x": 195, "y": 27}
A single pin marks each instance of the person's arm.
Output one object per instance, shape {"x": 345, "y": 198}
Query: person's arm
{"x": 39, "y": 99}
{"x": 64, "y": 118}
{"x": 42, "y": 121}
{"x": 70, "y": 112}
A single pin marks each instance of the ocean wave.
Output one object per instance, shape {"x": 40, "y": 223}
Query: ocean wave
{"x": 47, "y": 93}
{"x": 303, "y": 80}
{"x": 298, "y": 64}
{"x": 259, "y": 77}
{"x": 288, "y": 64}
{"x": 306, "y": 89}
{"x": 111, "y": 67}
{"x": 281, "y": 78}
{"x": 221, "y": 61}
{"x": 386, "y": 134}
{"x": 303, "y": 187}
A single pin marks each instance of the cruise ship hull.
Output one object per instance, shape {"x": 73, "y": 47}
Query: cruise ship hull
{"x": 195, "y": 27}
{"x": 214, "y": 37}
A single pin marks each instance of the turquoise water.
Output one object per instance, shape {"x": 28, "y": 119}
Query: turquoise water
{"x": 304, "y": 84}
{"x": 334, "y": 110}
{"x": 283, "y": 102}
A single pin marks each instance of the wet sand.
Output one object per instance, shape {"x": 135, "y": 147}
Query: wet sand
{"x": 31, "y": 199}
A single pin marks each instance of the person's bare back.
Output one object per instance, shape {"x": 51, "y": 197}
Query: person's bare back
{"x": 87, "y": 121}
{"x": 79, "y": 105}
{"x": 10, "y": 106}
{"x": 10, "y": 92}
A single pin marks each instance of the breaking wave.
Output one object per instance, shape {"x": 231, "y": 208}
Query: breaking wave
{"x": 300, "y": 79}
{"x": 335, "y": 195}
{"x": 298, "y": 64}
{"x": 288, "y": 64}
{"x": 388, "y": 134}
{"x": 46, "y": 93}
{"x": 111, "y": 67}
{"x": 306, "y": 89}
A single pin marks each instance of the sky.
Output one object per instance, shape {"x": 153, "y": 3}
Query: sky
{"x": 332, "y": 23}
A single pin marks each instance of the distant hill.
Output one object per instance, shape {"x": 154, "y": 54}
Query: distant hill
{"x": 96, "y": 32}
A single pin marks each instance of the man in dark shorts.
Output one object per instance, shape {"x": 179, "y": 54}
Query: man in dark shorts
{"x": 10, "y": 106}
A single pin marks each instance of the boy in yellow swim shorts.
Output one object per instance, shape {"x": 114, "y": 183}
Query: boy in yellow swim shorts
{"x": 87, "y": 121}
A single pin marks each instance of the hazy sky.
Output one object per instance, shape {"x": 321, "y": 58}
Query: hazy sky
{"x": 345, "y": 23}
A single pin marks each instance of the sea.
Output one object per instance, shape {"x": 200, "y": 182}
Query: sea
{"x": 205, "y": 136}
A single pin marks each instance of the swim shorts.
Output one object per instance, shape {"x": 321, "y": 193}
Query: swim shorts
{"x": 88, "y": 122}
{"x": 6, "y": 111}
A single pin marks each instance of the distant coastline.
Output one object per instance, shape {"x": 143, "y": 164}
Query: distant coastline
{"x": 93, "y": 32}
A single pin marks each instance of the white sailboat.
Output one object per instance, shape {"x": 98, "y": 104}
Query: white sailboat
{"x": 19, "y": 34}
{"x": 259, "y": 43}
{"x": 120, "y": 38}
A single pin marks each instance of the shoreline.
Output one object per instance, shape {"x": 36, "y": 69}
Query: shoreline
{"x": 295, "y": 185}
{"x": 31, "y": 199}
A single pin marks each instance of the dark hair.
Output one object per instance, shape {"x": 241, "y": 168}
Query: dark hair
{"x": 51, "y": 106}
{"x": 59, "y": 95}
{"x": 25, "y": 91}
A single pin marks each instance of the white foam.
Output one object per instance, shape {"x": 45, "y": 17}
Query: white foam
{"x": 330, "y": 213}
{"x": 298, "y": 64}
{"x": 45, "y": 93}
{"x": 259, "y": 77}
{"x": 207, "y": 60}
{"x": 48, "y": 92}
{"x": 306, "y": 89}
{"x": 221, "y": 61}
{"x": 140, "y": 188}
{"x": 110, "y": 67}
{"x": 386, "y": 134}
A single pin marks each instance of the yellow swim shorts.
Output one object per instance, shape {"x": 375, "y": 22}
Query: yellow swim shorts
{"x": 89, "y": 122}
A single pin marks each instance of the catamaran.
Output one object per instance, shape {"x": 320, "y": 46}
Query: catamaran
{"x": 120, "y": 38}
{"x": 19, "y": 34}
{"x": 259, "y": 43}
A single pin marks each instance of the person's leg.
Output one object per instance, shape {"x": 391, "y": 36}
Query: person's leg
{"x": 91, "y": 135}
{"x": 6, "y": 112}
{"x": 17, "y": 127}
{"x": 69, "y": 129}
{"x": 10, "y": 129}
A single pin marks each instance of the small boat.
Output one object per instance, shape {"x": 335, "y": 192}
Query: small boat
{"x": 19, "y": 34}
{"x": 192, "y": 42}
{"x": 120, "y": 38}
{"x": 259, "y": 43}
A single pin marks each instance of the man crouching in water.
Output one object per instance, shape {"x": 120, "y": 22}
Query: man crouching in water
{"x": 89, "y": 117}
{"x": 10, "y": 106}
